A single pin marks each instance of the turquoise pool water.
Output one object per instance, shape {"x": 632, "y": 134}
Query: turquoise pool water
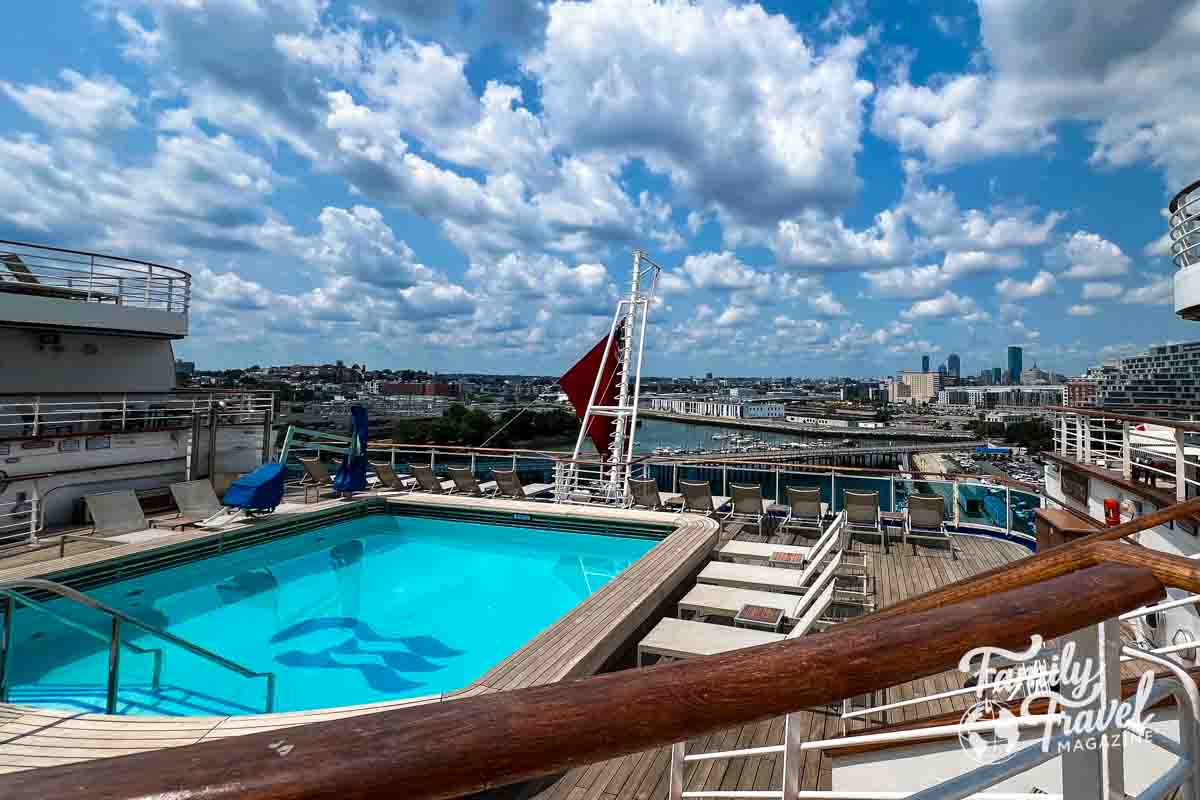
{"x": 372, "y": 609}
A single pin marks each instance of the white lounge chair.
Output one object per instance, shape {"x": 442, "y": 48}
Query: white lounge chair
{"x": 770, "y": 579}
{"x": 509, "y": 485}
{"x": 925, "y": 520}
{"x": 389, "y": 480}
{"x": 748, "y": 505}
{"x": 465, "y": 483}
{"x": 644, "y": 493}
{"x": 680, "y": 638}
{"x": 117, "y": 513}
{"x": 698, "y": 498}
{"x": 758, "y": 552}
{"x": 805, "y": 510}
{"x": 427, "y": 481}
{"x": 195, "y": 500}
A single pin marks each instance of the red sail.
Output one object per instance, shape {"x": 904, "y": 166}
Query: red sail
{"x": 578, "y": 381}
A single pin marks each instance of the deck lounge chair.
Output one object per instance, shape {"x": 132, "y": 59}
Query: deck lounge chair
{"x": 465, "y": 483}
{"x": 389, "y": 480}
{"x": 758, "y": 552}
{"x": 644, "y": 493}
{"x": 679, "y": 638}
{"x": 805, "y": 509}
{"x": 427, "y": 481}
{"x": 862, "y": 514}
{"x": 710, "y": 600}
{"x": 116, "y": 513}
{"x": 195, "y": 500}
{"x": 748, "y": 505}
{"x": 510, "y": 486}
{"x": 925, "y": 520}
{"x": 316, "y": 476}
{"x": 698, "y": 498}
{"x": 766, "y": 579}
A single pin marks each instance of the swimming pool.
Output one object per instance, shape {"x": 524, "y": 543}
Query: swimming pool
{"x": 379, "y": 607}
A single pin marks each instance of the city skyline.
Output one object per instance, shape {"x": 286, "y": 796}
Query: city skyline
{"x": 459, "y": 188}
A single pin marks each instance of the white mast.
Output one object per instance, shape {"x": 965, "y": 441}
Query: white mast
{"x": 609, "y": 479}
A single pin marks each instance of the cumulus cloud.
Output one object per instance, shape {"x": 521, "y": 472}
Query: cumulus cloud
{"x": 765, "y": 109}
{"x": 1101, "y": 290}
{"x": 83, "y": 104}
{"x": 907, "y": 282}
{"x": 1082, "y": 310}
{"x": 1158, "y": 292}
{"x": 1088, "y": 64}
{"x": 947, "y": 304}
{"x": 1088, "y": 256}
{"x": 1041, "y": 284}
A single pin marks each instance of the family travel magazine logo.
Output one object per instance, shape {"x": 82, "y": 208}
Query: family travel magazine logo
{"x": 1072, "y": 689}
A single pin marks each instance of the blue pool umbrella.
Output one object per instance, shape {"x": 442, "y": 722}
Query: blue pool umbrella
{"x": 352, "y": 474}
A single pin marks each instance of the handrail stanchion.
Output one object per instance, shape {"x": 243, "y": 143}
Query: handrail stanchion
{"x": 1180, "y": 466}
{"x": 114, "y": 666}
{"x": 5, "y": 646}
{"x": 1126, "y": 455}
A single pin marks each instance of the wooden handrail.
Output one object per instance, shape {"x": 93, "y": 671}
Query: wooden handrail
{"x": 480, "y": 743}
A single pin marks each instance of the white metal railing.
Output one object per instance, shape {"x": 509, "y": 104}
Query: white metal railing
{"x": 92, "y": 277}
{"x": 971, "y": 503}
{"x": 1184, "y": 227}
{"x": 1161, "y": 453}
{"x": 32, "y": 416}
{"x": 1181, "y": 776}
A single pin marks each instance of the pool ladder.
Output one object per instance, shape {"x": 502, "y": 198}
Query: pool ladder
{"x": 11, "y": 598}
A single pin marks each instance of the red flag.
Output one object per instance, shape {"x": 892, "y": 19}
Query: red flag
{"x": 578, "y": 381}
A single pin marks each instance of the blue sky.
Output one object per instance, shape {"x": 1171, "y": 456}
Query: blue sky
{"x": 833, "y": 188}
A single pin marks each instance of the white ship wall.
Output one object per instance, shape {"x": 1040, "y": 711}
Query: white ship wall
{"x": 142, "y": 460}
{"x": 83, "y": 362}
{"x": 1169, "y": 538}
{"x": 919, "y": 766}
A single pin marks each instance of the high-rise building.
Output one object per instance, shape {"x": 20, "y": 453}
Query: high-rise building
{"x": 924, "y": 363}
{"x": 953, "y": 365}
{"x": 1169, "y": 375}
{"x": 997, "y": 376}
{"x": 1015, "y": 363}
{"x": 985, "y": 378}
{"x": 942, "y": 371}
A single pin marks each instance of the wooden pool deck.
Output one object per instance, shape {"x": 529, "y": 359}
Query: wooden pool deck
{"x": 898, "y": 575}
{"x": 576, "y": 645}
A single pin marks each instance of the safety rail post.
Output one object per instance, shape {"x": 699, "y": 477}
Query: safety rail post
{"x": 678, "y": 764}
{"x": 1008, "y": 510}
{"x": 1085, "y": 437}
{"x": 124, "y": 410}
{"x": 37, "y": 413}
{"x": 6, "y": 641}
{"x": 149, "y": 280}
{"x": 1126, "y": 454}
{"x": 724, "y": 479}
{"x": 1097, "y": 769}
{"x": 35, "y": 515}
{"x": 91, "y": 277}
{"x": 1180, "y": 466}
{"x": 114, "y": 666}
{"x": 954, "y": 500}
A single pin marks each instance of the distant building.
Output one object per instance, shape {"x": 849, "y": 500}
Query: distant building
{"x": 997, "y": 376}
{"x": 924, "y": 363}
{"x": 1081, "y": 391}
{"x": 723, "y": 407}
{"x": 1034, "y": 376}
{"x": 1015, "y": 363}
{"x": 954, "y": 365}
{"x": 922, "y": 387}
{"x": 833, "y": 422}
{"x": 980, "y": 397}
{"x": 420, "y": 388}
{"x": 1168, "y": 375}
{"x": 184, "y": 369}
